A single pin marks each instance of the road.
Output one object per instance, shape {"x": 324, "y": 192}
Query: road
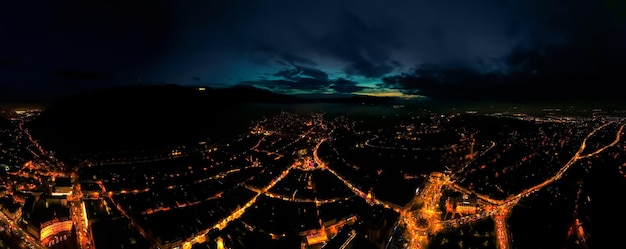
{"x": 52, "y": 167}
{"x": 425, "y": 221}
{"x": 421, "y": 218}
{"x": 79, "y": 215}
{"x": 32, "y": 241}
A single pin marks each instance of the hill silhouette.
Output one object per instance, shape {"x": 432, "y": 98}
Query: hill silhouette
{"x": 148, "y": 116}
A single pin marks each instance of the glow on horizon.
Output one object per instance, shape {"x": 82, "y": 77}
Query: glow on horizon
{"x": 388, "y": 92}
{"x": 264, "y": 77}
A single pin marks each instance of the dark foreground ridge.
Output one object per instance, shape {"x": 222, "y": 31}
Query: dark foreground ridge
{"x": 157, "y": 116}
{"x": 145, "y": 117}
{"x": 161, "y": 116}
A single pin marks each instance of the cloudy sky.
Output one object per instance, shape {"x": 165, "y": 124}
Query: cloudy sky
{"x": 482, "y": 49}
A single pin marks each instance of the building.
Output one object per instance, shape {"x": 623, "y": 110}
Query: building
{"x": 62, "y": 186}
{"x": 55, "y": 230}
{"x": 380, "y": 226}
{"x": 47, "y": 218}
{"x": 462, "y": 205}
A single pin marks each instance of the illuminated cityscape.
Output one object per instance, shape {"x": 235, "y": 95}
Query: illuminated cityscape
{"x": 317, "y": 180}
{"x": 327, "y": 124}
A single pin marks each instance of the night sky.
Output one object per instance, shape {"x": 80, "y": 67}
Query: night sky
{"x": 479, "y": 50}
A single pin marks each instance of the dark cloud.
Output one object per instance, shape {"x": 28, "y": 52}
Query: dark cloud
{"x": 11, "y": 62}
{"x": 345, "y": 86}
{"x": 488, "y": 49}
{"x": 461, "y": 85}
{"x": 309, "y": 79}
{"x": 81, "y": 75}
{"x": 73, "y": 80}
{"x": 295, "y": 78}
{"x": 533, "y": 81}
{"x": 365, "y": 48}
{"x": 299, "y": 73}
{"x": 264, "y": 54}
{"x": 67, "y": 42}
{"x": 573, "y": 52}
{"x": 286, "y": 86}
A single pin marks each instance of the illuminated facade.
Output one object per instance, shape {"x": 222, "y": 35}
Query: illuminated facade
{"x": 55, "y": 227}
{"x": 328, "y": 230}
{"x": 316, "y": 238}
{"x": 47, "y": 218}
{"x": 463, "y": 205}
{"x": 466, "y": 208}
{"x": 62, "y": 186}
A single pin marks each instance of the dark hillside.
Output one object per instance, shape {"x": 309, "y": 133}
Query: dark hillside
{"x": 144, "y": 117}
